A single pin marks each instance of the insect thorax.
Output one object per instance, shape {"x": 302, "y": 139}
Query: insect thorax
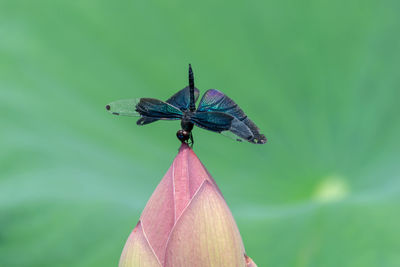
{"x": 186, "y": 124}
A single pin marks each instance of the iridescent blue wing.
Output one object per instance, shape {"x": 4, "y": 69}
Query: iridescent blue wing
{"x": 215, "y": 101}
{"x": 180, "y": 100}
{"x": 146, "y": 107}
{"x": 157, "y": 109}
{"x": 223, "y": 123}
{"x": 212, "y": 121}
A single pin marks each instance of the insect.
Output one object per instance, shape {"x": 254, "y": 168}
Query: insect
{"x": 216, "y": 112}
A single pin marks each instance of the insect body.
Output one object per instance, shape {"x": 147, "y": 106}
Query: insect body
{"x": 216, "y": 112}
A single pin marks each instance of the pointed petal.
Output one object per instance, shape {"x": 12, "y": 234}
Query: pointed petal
{"x": 171, "y": 197}
{"x": 189, "y": 175}
{"x": 158, "y": 217}
{"x": 206, "y": 233}
{"x": 181, "y": 180}
{"x": 198, "y": 173}
{"x": 249, "y": 261}
{"x": 137, "y": 251}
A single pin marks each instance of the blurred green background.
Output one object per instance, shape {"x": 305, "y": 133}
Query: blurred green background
{"x": 320, "y": 78}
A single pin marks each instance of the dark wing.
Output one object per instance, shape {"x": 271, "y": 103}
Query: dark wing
{"x": 215, "y": 101}
{"x": 146, "y": 107}
{"x": 157, "y": 109}
{"x": 213, "y": 121}
{"x": 180, "y": 100}
{"x": 222, "y": 123}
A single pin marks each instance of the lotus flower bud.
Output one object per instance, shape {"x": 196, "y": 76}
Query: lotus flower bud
{"x": 186, "y": 222}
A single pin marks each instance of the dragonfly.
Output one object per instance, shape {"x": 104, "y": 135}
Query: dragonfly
{"x": 216, "y": 112}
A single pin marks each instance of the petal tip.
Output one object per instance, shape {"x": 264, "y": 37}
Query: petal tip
{"x": 249, "y": 261}
{"x": 137, "y": 251}
{"x": 184, "y": 146}
{"x": 205, "y": 233}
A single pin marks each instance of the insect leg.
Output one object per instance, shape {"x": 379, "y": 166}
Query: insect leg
{"x": 191, "y": 139}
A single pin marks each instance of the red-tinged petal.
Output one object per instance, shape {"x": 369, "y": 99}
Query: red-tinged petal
{"x": 198, "y": 173}
{"x": 181, "y": 179}
{"x": 249, "y": 261}
{"x": 171, "y": 197}
{"x": 137, "y": 251}
{"x": 189, "y": 175}
{"x": 158, "y": 216}
{"x": 206, "y": 233}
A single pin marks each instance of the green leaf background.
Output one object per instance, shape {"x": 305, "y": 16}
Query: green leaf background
{"x": 320, "y": 78}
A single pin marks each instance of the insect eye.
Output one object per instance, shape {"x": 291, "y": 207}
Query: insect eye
{"x": 108, "y": 107}
{"x": 180, "y": 134}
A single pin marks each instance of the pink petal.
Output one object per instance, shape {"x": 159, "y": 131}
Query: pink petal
{"x": 171, "y": 197}
{"x": 158, "y": 216}
{"x": 189, "y": 175}
{"x": 249, "y": 261}
{"x": 137, "y": 251}
{"x": 187, "y": 208}
{"x": 206, "y": 234}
